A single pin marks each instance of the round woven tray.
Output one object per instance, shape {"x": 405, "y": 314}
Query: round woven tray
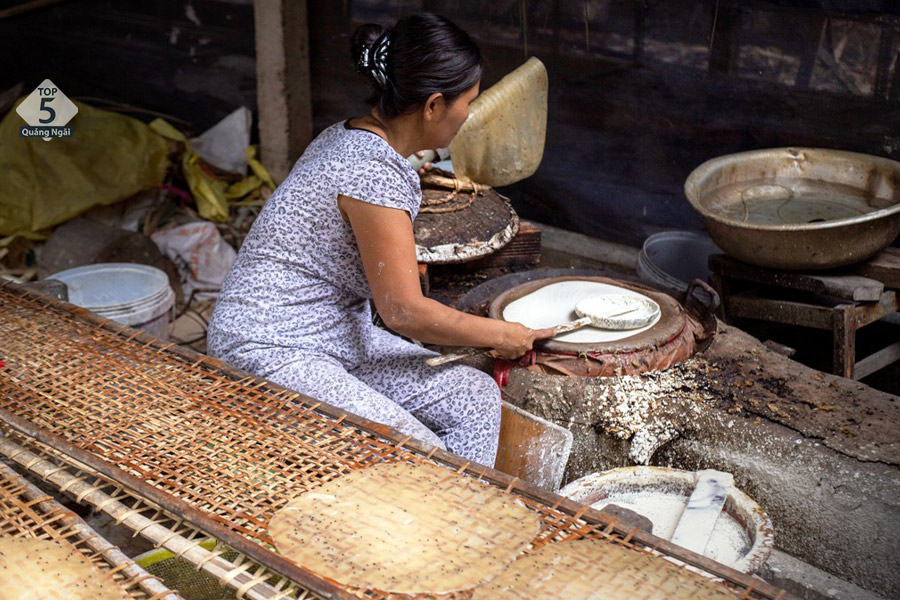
{"x": 468, "y": 225}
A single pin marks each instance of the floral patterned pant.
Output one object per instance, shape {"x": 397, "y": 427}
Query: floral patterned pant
{"x": 451, "y": 406}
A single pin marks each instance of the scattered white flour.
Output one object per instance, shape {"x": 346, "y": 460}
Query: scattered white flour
{"x": 652, "y": 408}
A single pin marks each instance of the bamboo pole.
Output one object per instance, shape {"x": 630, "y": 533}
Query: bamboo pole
{"x": 96, "y": 542}
{"x": 224, "y": 571}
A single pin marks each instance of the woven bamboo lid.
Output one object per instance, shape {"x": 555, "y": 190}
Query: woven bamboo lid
{"x": 465, "y": 225}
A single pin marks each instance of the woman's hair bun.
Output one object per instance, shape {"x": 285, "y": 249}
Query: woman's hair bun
{"x": 422, "y": 54}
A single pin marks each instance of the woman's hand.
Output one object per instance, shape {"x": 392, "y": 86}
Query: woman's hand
{"x": 518, "y": 339}
{"x": 427, "y": 166}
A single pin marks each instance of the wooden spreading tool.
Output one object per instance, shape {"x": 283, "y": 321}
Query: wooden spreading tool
{"x": 699, "y": 517}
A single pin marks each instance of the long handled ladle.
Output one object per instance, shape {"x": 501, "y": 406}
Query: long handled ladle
{"x": 583, "y": 321}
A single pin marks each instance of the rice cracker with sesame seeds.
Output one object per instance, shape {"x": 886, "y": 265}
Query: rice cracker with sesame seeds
{"x": 405, "y": 528}
{"x": 591, "y": 569}
{"x": 31, "y": 569}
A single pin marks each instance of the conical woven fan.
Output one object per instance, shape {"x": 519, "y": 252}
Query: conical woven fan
{"x": 503, "y": 140}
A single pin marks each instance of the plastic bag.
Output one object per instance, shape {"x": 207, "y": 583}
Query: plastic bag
{"x": 223, "y": 144}
{"x": 109, "y": 157}
{"x": 203, "y": 258}
{"x": 212, "y": 194}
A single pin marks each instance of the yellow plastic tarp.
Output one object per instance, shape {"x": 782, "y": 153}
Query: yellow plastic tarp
{"x": 213, "y": 195}
{"x": 44, "y": 183}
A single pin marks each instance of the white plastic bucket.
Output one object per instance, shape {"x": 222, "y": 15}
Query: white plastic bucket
{"x": 135, "y": 295}
{"x": 670, "y": 260}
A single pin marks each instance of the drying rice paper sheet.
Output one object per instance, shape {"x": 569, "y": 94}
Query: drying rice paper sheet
{"x": 597, "y": 570}
{"x": 32, "y": 569}
{"x": 502, "y": 141}
{"x": 404, "y": 528}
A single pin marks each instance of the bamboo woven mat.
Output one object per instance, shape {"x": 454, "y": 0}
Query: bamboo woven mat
{"x": 25, "y": 511}
{"x": 246, "y": 578}
{"x": 223, "y": 444}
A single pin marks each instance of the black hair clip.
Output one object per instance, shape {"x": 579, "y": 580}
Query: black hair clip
{"x": 373, "y": 60}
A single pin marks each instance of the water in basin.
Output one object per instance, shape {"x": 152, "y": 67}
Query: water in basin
{"x": 790, "y": 201}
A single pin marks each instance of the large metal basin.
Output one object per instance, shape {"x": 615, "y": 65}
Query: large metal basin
{"x": 798, "y": 208}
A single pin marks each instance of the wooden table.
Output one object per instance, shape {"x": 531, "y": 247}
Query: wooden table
{"x": 842, "y": 301}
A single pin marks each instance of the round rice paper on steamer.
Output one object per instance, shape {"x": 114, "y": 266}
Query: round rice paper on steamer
{"x": 31, "y": 569}
{"x": 404, "y": 528}
{"x": 597, "y": 570}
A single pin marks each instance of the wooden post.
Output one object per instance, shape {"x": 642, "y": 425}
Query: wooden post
{"x": 640, "y": 30}
{"x": 815, "y": 26}
{"x": 283, "y": 83}
{"x": 844, "y": 340}
{"x": 894, "y": 92}
{"x": 883, "y": 66}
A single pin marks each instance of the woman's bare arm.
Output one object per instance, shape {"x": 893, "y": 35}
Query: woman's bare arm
{"x": 387, "y": 246}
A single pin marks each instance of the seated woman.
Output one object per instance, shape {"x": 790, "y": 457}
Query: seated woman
{"x": 338, "y": 232}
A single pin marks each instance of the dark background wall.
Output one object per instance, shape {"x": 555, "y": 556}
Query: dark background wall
{"x": 193, "y": 61}
{"x": 641, "y": 91}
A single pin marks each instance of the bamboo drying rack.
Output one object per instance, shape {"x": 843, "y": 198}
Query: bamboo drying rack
{"x": 26, "y": 511}
{"x": 220, "y": 451}
{"x": 247, "y": 578}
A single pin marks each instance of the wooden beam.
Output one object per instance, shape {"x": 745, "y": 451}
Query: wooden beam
{"x": 283, "y": 89}
{"x": 724, "y": 38}
{"x": 874, "y": 362}
{"x": 779, "y": 311}
{"x": 883, "y": 64}
{"x": 845, "y": 287}
{"x": 869, "y": 312}
{"x": 816, "y": 26}
{"x": 884, "y": 267}
{"x": 24, "y": 7}
{"x": 844, "y": 341}
{"x": 894, "y": 92}
{"x": 560, "y": 247}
